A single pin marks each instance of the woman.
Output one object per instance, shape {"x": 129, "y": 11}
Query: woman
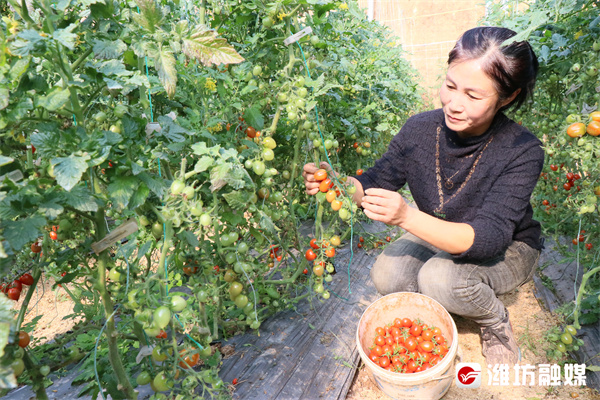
{"x": 471, "y": 171}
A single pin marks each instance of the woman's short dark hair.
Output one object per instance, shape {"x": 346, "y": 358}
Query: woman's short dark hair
{"x": 511, "y": 67}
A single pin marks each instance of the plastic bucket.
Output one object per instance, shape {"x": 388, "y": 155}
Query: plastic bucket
{"x": 430, "y": 384}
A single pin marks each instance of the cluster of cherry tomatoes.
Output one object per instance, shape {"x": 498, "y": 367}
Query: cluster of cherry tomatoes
{"x": 578, "y": 129}
{"x": 407, "y": 346}
{"x": 13, "y": 289}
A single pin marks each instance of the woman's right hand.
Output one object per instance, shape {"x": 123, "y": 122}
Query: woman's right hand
{"x": 308, "y": 173}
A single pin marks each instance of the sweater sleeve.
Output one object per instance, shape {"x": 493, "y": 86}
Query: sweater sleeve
{"x": 505, "y": 206}
{"x": 389, "y": 171}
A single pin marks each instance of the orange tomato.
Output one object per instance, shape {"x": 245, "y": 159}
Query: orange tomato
{"x": 359, "y": 172}
{"x": 190, "y": 360}
{"x": 330, "y": 252}
{"x": 593, "y": 128}
{"x": 251, "y": 132}
{"x": 336, "y": 205}
{"x": 320, "y": 175}
{"x": 595, "y": 116}
{"x": 576, "y": 129}
{"x": 330, "y": 196}
{"x": 325, "y": 185}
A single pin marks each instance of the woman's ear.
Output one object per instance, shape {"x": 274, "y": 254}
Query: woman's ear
{"x": 511, "y": 98}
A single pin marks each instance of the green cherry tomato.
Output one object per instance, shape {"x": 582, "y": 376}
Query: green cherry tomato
{"x": 205, "y": 219}
{"x": 259, "y": 167}
{"x": 157, "y": 230}
{"x": 143, "y": 378}
{"x": 18, "y": 366}
{"x": 177, "y": 187}
{"x": 44, "y": 370}
{"x": 566, "y": 338}
{"x": 302, "y": 92}
{"x": 241, "y": 301}
{"x": 257, "y": 70}
{"x": 243, "y": 248}
{"x": 561, "y": 347}
{"x": 178, "y": 303}
{"x": 268, "y": 155}
{"x": 205, "y": 352}
{"x": 162, "y": 383}
{"x": 143, "y": 220}
{"x": 158, "y": 354}
{"x": 202, "y": 296}
{"x": 162, "y": 317}
{"x": 571, "y": 329}
{"x": 235, "y": 289}
{"x": 114, "y": 275}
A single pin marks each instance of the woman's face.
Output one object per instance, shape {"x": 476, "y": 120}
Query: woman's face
{"x": 469, "y": 99}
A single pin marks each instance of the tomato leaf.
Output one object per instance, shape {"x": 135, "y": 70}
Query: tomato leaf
{"x": 150, "y": 16}
{"x": 6, "y": 318}
{"x": 20, "y": 232}
{"x": 190, "y": 238}
{"x": 203, "y": 45}
{"x": 144, "y": 249}
{"x": 139, "y": 196}
{"x": 69, "y": 170}
{"x": 27, "y": 42}
{"x": 54, "y": 100}
{"x": 237, "y": 199}
{"x": 51, "y": 210}
{"x": 254, "y": 118}
{"x": 267, "y": 223}
{"x": 593, "y": 368}
{"x": 157, "y": 186}
{"x": 203, "y": 164}
{"x": 108, "y": 49}
{"x": 5, "y": 160}
{"x": 65, "y": 36}
{"x": 81, "y": 199}
{"x": 121, "y": 190}
{"x": 164, "y": 62}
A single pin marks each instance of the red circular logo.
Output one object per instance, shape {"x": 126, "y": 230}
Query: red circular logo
{"x": 467, "y": 375}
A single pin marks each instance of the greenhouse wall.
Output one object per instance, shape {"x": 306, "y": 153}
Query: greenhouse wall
{"x": 427, "y": 30}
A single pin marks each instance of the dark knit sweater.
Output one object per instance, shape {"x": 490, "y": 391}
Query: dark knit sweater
{"x": 495, "y": 201}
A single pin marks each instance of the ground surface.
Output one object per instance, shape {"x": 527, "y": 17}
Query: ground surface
{"x": 529, "y": 320}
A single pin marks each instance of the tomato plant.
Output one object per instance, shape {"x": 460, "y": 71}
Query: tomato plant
{"x": 161, "y": 118}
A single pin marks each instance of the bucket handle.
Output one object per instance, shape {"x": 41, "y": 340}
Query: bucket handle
{"x": 459, "y": 357}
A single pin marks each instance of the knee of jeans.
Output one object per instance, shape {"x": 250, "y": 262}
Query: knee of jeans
{"x": 435, "y": 283}
{"x": 388, "y": 279}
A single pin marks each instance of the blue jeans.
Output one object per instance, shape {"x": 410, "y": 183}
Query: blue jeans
{"x": 466, "y": 289}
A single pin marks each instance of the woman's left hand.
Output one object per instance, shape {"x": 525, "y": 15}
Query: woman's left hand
{"x": 385, "y": 206}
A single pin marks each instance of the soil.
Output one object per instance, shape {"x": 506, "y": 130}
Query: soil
{"x": 529, "y": 320}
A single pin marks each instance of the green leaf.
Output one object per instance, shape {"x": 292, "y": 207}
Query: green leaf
{"x": 200, "y": 149}
{"x": 6, "y": 318}
{"x": 157, "y": 186}
{"x": 204, "y": 46}
{"x": 237, "y": 200}
{"x": 218, "y": 175}
{"x": 113, "y": 67}
{"x": 54, "y": 100}
{"x": 66, "y": 37}
{"x": 69, "y": 170}
{"x": 80, "y": 198}
{"x": 594, "y": 368}
{"x": 20, "y": 110}
{"x": 51, "y": 210}
{"x": 139, "y": 196}
{"x": 254, "y": 118}
{"x": 18, "y": 69}
{"x": 19, "y": 233}
{"x": 171, "y": 130}
{"x": 7, "y": 377}
{"x": 145, "y": 248}
{"x": 164, "y": 62}
{"x": 5, "y": 160}
{"x": 4, "y": 98}
{"x": 27, "y": 42}
{"x": 109, "y": 49}
{"x": 150, "y": 16}
{"x": 267, "y": 223}
{"x": 121, "y": 190}
{"x": 190, "y": 238}
{"x": 204, "y": 163}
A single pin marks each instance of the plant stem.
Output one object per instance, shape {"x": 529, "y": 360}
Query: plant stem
{"x": 37, "y": 273}
{"x": 584, "y": 280}
{"x": 36, "y": 377}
